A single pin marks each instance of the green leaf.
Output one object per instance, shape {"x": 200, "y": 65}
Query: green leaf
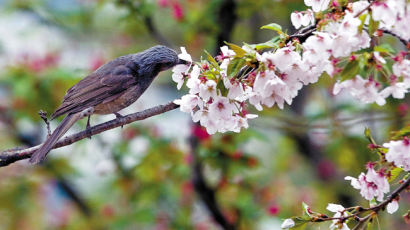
{"x": 402, "y": 132}
{"x": 373, "y": 202}
{"x": 266, "y": 45}
{"x": 395, "y": 173}
{"x": 235, "y": 66}
{"x": 220, "y": 85}
{"x": 362, "y": 20}
{"x": 368, "y": 135}
{"x": 306, "y": 208}
{"x": 238, "y": 50}
{"x": 212, "y": 60}
{"x": 273, "y": 26}
{"x": 373, "y": 25}
{"x": 384, "y": 48}
{"x": 350, "y": 70}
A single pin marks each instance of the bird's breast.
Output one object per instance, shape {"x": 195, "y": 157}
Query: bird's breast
{"x": 124, "y": 100}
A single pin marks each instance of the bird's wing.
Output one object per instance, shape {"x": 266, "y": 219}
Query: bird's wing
{"x": 98, "y": 87}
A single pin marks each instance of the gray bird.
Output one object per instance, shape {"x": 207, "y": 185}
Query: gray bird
{"x": 110, "y": 88}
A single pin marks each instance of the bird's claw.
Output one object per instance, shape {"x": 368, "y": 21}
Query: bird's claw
{"x": 88, "y": 127}
{"x": 119, "y": 116}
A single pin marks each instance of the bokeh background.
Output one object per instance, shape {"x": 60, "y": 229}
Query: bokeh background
{"x": 163, "y": 173}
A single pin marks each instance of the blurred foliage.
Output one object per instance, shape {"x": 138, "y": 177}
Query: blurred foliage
{"x": 259, "y": 176}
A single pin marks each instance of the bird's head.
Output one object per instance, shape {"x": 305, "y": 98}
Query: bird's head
{"x": 159, "y": 58}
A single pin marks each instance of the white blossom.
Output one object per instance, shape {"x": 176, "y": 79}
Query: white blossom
{"x": 392, "y": 207}
{"x": 178, "y": 74}
{"x": 318, "y": 5}
{"x": 193, "y": 82}
{"x": 363, "y": 90}
{"x": 184, "y": 55}
{"x": 339, "y": 211}
{"x": 399, "y": 153}
{"x": 189, "y": 102}
{"x": 288, "y": 223}
{"x": 207, "y": 90}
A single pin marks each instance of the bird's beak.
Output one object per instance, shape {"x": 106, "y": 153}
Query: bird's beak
{"x": 183, "y": 62}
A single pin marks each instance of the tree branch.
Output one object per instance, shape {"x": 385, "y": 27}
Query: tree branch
{"x": 375, "y": 209}
{"x": 397, "y": 36}
{"x": 12, "y": 155}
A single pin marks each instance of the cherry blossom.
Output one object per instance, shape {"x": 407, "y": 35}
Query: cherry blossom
{"x": 371, "y": 184}
{"x": 184, "y": 55}
{"x": 207, "y": 90}
{"x": 399, "y": 153}
{"x": 178, "y": 74}
{"x": 392, "y": 207}
{"x": 299, "y": 19}
{"x": 288, "y": 223}
{"x": 365, "y": 90}
{"x": 193, "y": 82}
{"x": 189, "y": 102}
{"x": 318, "y": 5}
{"x": 339, "y": 211}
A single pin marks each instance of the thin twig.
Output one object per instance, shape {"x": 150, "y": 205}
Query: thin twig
{"x": 43, "y": 116}
{"x": 402, "y": 40}
{"x": 374, "y": 209}
{"x": 12, "y": 155}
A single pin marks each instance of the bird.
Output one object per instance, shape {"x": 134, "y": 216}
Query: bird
{"x": 109, "y": 89}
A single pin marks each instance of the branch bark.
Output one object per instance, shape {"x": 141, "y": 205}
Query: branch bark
{"x": 375, "y": 209}
{"x": 12, "y": 155}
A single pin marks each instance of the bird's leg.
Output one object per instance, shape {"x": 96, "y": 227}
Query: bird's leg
{"x": 119, "y": 116}
{"x": 88, "y": 127}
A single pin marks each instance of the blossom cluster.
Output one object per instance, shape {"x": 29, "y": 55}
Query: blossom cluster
{"x": 205, "y": 101}
{"x": 399, "y": 153}
{"x": 219, "y": 89}
{"x": 372, "y": 184}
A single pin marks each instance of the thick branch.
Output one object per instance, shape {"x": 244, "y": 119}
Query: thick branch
{"x": 12, "y": 155}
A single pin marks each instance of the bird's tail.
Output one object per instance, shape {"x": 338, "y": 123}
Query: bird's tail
{"x": 64, "y": 126}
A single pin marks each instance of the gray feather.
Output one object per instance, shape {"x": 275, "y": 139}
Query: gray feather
{"x": 64, "y": 126}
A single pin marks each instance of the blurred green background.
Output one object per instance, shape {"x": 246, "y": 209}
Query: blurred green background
{"x": 145, "y": 176}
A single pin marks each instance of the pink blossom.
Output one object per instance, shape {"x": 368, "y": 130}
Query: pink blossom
{"x": 189, "y": 102}
{"x": 363, "y": 90}
{"x": 399, "y": 153}
{"x": 221, "y": 108}
{"x": 371, "y": 184}
{"x": 402, "y": 68}
{"x": 207, "y": 90}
